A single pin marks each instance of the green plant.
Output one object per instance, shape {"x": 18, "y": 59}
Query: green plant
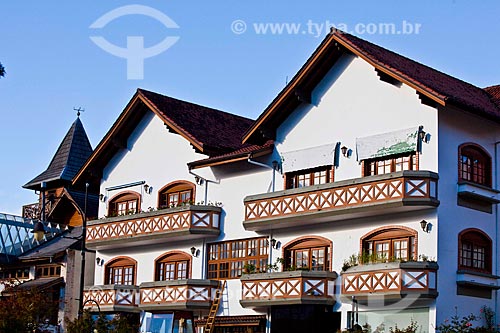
{"x": 249, "y": 268}
{"x": 457, "y": 324}
{"x": 412, "y": 328}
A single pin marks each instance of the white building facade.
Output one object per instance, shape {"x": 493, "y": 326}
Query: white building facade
{"x": 365, "y": 194}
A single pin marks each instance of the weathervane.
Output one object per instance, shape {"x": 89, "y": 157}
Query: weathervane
{"x": 78, "y": 111}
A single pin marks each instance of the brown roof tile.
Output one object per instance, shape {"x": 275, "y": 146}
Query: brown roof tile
{"x": 494, "y": 93}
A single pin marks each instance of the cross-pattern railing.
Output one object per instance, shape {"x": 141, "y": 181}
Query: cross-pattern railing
{"x": 399, "y": 278}
{"x": 190, "y": 217}
{"x": 111, "y": 297}
{"x": 291, "y": 286}
{"x": 178, "y": 293}
{"x": 344, "y": 194}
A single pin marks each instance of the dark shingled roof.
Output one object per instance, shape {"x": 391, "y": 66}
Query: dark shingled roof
{"x": 218, "y": 130}
{"x": 452, "y": 89}
{"x": 68, "y": 159}
{"x": 37, "y": 284}
{"x": 55, "y": 247}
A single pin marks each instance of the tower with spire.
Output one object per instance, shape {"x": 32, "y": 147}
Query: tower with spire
{"x": 64, "y": 203}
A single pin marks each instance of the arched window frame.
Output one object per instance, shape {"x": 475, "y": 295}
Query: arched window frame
{"x": 474, "y": 164}
{"x": 177, "y": 263}
{"x": 474, "y": 251}
{"x": 166, "y": 194}
{"x": 124, "y": 203}
{"x": 301, "y": 253}
{"x": 389, "y": 240}
{"x": 121, "y": 270}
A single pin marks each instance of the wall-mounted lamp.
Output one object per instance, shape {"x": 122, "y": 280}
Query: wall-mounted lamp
{"x": 346, "y": 152}
{"x": 194, "y": 252}
{"x": 275, "y": 244}
{"x": 198, "y": 180}
{"x": 102, "y": 197}
{"x": 423, "y": 136}
{"x": 426, "y": 226}
{"x": 148, "y": 189}
{"x": 99, "y": 261}
{"x": 38, "y": 231}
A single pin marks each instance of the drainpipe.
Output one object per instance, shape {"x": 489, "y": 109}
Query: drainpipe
{"x": 200, "y": 180}
{"x": 275, "y": 164}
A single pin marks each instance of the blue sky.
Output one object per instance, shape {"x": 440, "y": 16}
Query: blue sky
{"x": 53, "y": 66}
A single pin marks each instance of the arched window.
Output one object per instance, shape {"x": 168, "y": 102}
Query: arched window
{"x": 120, "y": 271}
{"x": 390, "y": 243}
{"x": 474, "y": 164}
{"x": 176, "y": 194}
{"x": 474, "y": 251}
{"x": 124, "y": 203}
{"x": 173, "y": 266}
{"x": 312, "y": 253}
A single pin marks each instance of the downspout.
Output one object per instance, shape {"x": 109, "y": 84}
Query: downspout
{"x": 199, "y": 181}
{"x": 273, "y": 187}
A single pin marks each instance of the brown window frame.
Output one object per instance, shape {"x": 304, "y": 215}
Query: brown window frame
{"x": 292, "y": 179}
{"x": 371, "y": 167}
{"x": 307, "y": 245}
{"x": 15, "y": 274}
{"x": 390, "y": 236}
{"x": 226, "y": 260}
{"x": 176, "y": 188}
{"x": 123, "y": 264}
{"x": 175, "y": 258}
{"x": 43, "y": 271}
{"x": 127, "y": 198}
{"x": 476, "y": 239}
{"x": 474, "y": 164}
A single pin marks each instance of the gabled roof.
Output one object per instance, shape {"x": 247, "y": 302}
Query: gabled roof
{"x": 438, "y": 87}
{"x": 211, "y": 132}
{"x": 72, "y": 153}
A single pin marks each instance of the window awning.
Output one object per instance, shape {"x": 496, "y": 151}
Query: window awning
{"x": 398, "y": 142}
{"x": 308, "y": 158}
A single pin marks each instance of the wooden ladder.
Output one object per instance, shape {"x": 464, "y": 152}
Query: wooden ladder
{"x": 210, "y": 325}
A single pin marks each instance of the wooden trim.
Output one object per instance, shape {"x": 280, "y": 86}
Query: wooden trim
{"x": 233, "y": 160}
{"x": 185, "y": 256}
{"x": 165, "y": 189}
{"x": 115, "y": 260}
{"x": 115, "y": 199}
{"x": 384, "y": 229}
{"x": 321, "y": 241}
{"x": 484, "y": 154}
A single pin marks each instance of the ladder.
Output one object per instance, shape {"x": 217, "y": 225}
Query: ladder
{"x": 210, "y": 325}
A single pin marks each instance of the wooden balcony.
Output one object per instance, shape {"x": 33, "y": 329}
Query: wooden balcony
{"x": 286, "y": 288}
{"x": 179, "y": 224}
{"x": 355, "y": 198}
{"x": 111, "y": 298}
{"x": 391, "y": 280}
{"x": 177, "y": 294}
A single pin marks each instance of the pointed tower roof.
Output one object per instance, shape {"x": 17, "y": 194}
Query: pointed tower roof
{"x": 68, "y": 159}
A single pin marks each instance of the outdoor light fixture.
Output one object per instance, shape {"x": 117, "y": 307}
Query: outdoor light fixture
{"x": 99, "y": 261}
{"x": 194, "y": 251}
{"x": 101, "y": 197}
{"x": 424, "y": 225}
{"x": 38, "y": 231}
{"x": 346, "y": 152}
{"x": 148, "y": 189}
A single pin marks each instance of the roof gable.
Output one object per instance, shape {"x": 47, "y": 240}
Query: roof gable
{"x": 71, "y": 154}
{"x": 210, "y": 131}
{"x": 438, "y": 87}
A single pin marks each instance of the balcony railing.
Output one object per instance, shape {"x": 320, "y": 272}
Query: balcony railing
{"x": 391, "y": 279}
{"x": 111, "y": 298}
{"x": 285, "y": 288}
{"x": 177, "y": 294}
{"x": 360, "y": 197}
{"x": 186, "y": 222}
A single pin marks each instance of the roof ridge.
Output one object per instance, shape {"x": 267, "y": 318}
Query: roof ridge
{"x": 195, "y": 104}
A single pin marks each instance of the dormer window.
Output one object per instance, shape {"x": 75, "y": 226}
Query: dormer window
{"x": 474, "y": 165}
{"x": 309, "y": 177}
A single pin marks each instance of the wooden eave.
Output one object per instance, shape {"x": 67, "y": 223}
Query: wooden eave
{"x": 119, "y": 132}
{"x": 230, "y": 159}
{"x": 313, "y": 71}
